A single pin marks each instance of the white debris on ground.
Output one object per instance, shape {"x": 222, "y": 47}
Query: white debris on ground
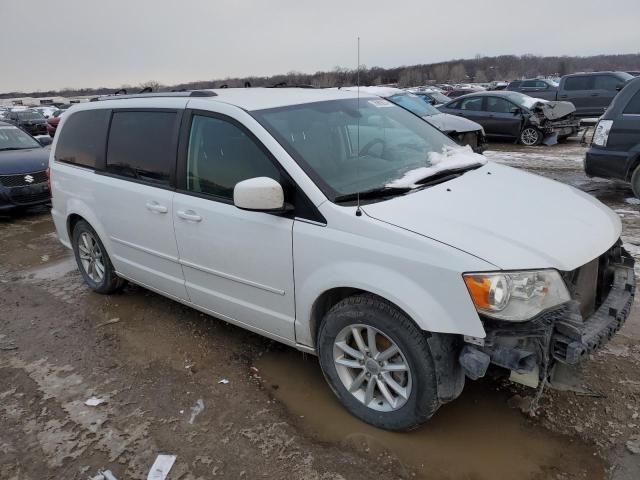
{"x": 449, "y": 159}
{"x": 94, "y": 401}
{"x": 196, "y": 410}
{"x": 161, "y": 467}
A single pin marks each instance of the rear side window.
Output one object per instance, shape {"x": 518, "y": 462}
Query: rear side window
{"x": 82, "y": 138}
{"x": 499, "y": 105}
{"x": 529, "y": 84}
{"x": 142, "y": 145}
{"x": 633, "y": 107}
{"x": 578, "y": 83}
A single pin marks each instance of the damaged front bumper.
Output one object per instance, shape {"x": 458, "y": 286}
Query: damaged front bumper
{"x": 566, "y": 334}
{"x": 475, "y": 139}
{"x": 555, "y": 120}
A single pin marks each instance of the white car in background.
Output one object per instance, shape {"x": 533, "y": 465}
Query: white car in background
{"x": 344, "y": 226}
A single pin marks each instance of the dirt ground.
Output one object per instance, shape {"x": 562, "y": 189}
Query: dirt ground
{"x": 159, "y": 366}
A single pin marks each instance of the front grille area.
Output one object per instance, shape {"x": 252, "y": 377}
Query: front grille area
{"x": 20, "y": 180}
{"x": 23, "y": 196}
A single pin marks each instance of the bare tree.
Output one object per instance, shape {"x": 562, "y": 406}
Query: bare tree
{"x": 458, "y": 73}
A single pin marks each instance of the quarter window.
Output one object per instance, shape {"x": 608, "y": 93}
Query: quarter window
{"x": 221, "y": 155}
{"x": 142, "y": 145}
{"x": 633, "y": 107}
{"x": 82, "y": 138}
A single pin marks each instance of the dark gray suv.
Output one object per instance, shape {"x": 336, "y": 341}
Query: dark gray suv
{"x": 615, "y": 147}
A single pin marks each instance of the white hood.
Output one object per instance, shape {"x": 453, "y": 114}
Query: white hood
{"x": 507, "y": 217}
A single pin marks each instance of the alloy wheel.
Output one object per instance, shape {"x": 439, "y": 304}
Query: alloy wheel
{"x": 91, "y": 257}
{"x": 372, "y": 367}
{"x": 529, "y": 136}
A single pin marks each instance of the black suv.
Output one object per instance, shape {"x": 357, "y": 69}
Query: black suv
{"x": 31, "y": 121}
{"x": 615, "y": 146}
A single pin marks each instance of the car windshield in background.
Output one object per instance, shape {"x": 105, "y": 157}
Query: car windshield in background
{"x": 348, "y": 146}
{"x": 414, "y": 104}
{"x": 30, "y": 116}
{"x": 12, "y": 138}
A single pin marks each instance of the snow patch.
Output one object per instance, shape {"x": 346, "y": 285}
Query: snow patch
{"x": 632, "y": 201}
{"x": 450, "y": 158}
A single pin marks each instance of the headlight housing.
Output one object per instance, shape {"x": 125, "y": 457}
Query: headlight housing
{"x": 601, "y": 133}
{"x": 516, "y": 296}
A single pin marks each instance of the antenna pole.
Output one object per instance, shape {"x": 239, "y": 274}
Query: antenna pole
{"x": 358, "y": 211}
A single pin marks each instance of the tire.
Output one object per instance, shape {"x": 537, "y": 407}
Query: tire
{"x": 366, "y": 313}
{"x": 88, "y": 249}
{"x": 635, "y": 182}
{"x": 530, "y": 136}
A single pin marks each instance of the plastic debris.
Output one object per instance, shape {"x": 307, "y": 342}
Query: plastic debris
{"x": 104, "y": 475}
{"x": 196, "y": 410}
{"x": 108, "y": 322}
{"x": 94, "y": 401}
{"x": 161, "y": 467}
{"x": 224, "y": 381}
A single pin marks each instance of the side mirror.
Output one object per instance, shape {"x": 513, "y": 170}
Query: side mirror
{"x": 619, "y": 87}
{"x": 516, "y": 111}
{"x": 44, "y": 141}
{"x": 260, "y": 194}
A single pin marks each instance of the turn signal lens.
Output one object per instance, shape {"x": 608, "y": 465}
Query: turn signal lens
{"x": 488, "y": 292}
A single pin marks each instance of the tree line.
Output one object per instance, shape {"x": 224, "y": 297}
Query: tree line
{"x": 479, "y": 69}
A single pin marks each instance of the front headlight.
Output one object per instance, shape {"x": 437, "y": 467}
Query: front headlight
{"x": 516, "y": 296}
{"x": 601, "y": 133}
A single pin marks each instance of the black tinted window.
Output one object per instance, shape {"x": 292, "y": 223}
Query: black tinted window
{"x": 578, "y": 83}
{"x": 82, "y": 137}
{"x": 221, "y": 155}
{"x": 530, "y": 83}
{"x": 633, "y": 107}
{"x": 606, "y": 82}
{"x": 142, "y": 145}
{"x": 454, "y": 105}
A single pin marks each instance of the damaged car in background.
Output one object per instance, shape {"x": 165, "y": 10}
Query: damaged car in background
{"x": 460, "y": 130}
{"x": 515, "y": 116}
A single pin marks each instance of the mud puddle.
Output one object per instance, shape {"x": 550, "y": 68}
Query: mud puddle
{"x": 476, "y": 437}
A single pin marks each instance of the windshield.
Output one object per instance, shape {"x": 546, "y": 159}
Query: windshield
{"x": 12, "y": 138}
{"x": 30, "y": 115}
{"x": 413, "y": 104}
{"x": 346, "y": 149}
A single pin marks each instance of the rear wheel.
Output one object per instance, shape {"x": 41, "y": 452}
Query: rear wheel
{"x": 93, "y": 261}
{"x": 378, "y": 363}
{"x": 530, "y": 136}
{"x": 635, "y": 182}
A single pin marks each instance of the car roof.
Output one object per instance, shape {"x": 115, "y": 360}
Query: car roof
{"x": 379, "y": 91}
{"x": 246, "y": 98}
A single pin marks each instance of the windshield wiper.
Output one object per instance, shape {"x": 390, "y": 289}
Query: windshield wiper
{"x": 379, "y": 192}
{"x": 444, "y": 175}
{"x": 12, "y": 148}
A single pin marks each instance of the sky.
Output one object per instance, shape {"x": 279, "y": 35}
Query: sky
{"x": 88, "y": 43}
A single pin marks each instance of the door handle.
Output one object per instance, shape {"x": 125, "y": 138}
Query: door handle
{"x": 595, "y": 94}
{"x": 189, "y": 215}
{"x": 155, "y": 207}
{"x": 564, "y": 96}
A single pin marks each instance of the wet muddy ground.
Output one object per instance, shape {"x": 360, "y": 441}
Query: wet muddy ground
{"x": 158, "y": 366}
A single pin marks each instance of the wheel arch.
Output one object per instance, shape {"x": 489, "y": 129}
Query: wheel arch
{"x": 77, "y": 211}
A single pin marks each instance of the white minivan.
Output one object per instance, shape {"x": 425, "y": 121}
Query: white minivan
{"x": 345, "y": 226}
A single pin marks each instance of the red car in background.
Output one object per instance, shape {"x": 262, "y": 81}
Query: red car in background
{"x": 53, "y": 121}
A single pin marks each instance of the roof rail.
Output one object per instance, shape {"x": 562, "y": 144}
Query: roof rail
{"x": 192, "y": 93}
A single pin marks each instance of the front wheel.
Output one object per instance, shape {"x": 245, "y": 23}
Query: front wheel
{"x": 530, "y": 136}
{"x": 378, "y": 363}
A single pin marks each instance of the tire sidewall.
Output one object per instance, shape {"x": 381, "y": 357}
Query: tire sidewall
{"x": 422, "y": 401}
{"x": 635, "y": 182}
